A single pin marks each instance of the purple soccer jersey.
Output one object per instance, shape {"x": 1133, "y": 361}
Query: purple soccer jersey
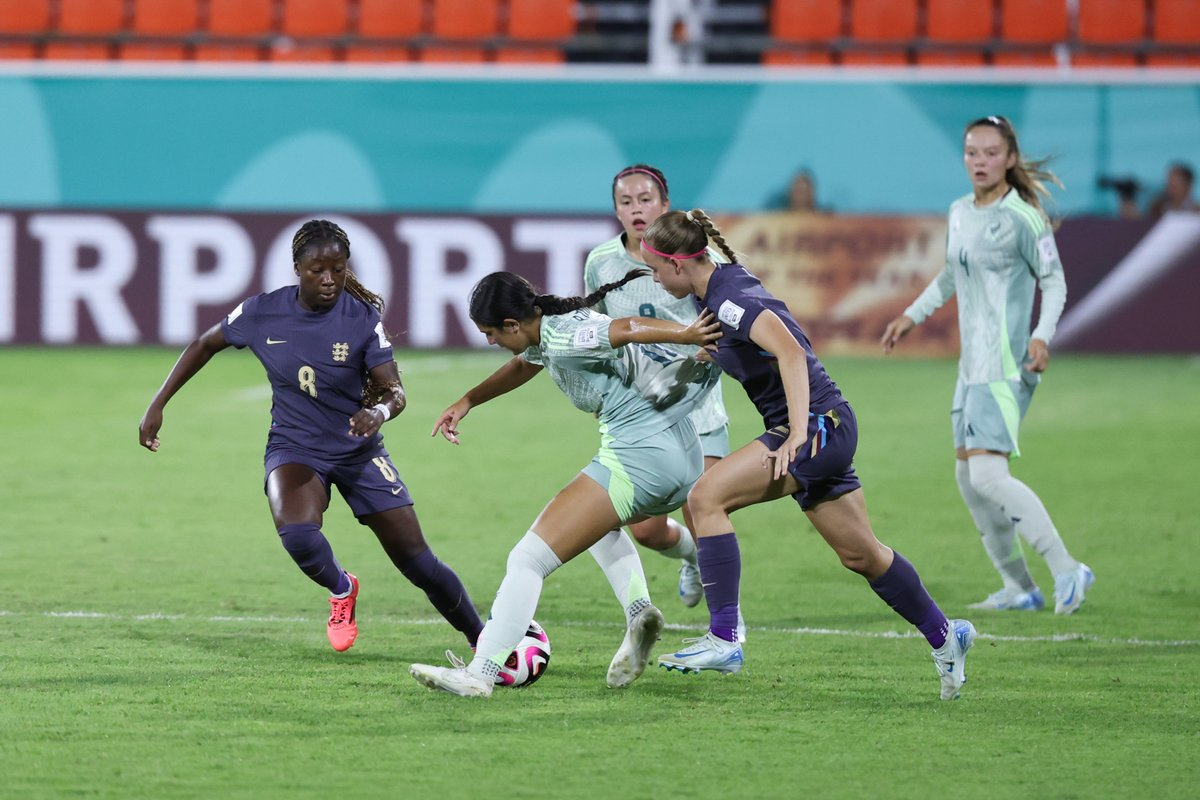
{"x": 317, "y": 364}
{"x": 737, "y": 298}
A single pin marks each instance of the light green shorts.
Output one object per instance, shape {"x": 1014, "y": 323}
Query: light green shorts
{"x": 715, "y": 444}
{"x": 651, "y": 477}
{"x": 987, "y": 416}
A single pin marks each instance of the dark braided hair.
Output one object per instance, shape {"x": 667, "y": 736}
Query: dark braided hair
{"x": 686, "y": 232}
{"x": 503, "y": 295}
{"x": 322, "y": 230}
{"x": 641, "y": 169}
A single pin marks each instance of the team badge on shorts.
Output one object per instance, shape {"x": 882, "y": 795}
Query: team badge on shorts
{"x": 341, "y": 350}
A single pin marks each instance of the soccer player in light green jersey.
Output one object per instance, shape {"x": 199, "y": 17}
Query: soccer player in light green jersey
{"x": 642, "y": 394}
{"x": 999, "y": 248}
{"x": 640, "y": 196}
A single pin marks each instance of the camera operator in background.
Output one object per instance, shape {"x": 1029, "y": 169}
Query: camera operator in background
{"x": 1175, "y": 196}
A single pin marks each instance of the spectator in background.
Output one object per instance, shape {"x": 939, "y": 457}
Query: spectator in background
{"x": 1177, "y": 194}
{"x": 801, "y": 194}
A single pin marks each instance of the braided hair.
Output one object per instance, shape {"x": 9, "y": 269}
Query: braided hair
{"x": 503, "y": 295}
{"x": 322, "y": 230}
{"x": 686, "y": 232}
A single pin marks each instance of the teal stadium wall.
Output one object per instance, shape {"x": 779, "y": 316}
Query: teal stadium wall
{"x": 269, "y": 141}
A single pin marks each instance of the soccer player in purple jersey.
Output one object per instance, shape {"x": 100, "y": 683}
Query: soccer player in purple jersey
{"x": 334, "y": 383}
{"x": 765, "y": 350}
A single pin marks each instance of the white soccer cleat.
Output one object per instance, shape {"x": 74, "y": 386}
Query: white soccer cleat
{"x": 1007, "y": 599}
{"x": 741, "y": 627}
{"x": 951, "y": 659}
{"x": 1070, "y": 587}
{"x": 455, "y": 680}
{"x": 706, "y": 652}
{"x": 690, "y": 587}
{"x": 634, "y": 653}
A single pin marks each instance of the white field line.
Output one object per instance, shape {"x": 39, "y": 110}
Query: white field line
{"x": 803, "y": 631}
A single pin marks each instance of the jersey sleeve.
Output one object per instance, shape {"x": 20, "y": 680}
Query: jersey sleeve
{"x": 736, "y": 311}
{"x": 1035, "y": 238}
{"x": 238, "y": 325}
{"x": 939, "y": 290}
{"x": 378, "y": 349}
{"x": 578, "y": 336}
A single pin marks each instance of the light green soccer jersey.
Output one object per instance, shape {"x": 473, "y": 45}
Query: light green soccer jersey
{"x": 642, "y": 297}
{"x": 995, "y": 258}
{"x": 636, "y": 390}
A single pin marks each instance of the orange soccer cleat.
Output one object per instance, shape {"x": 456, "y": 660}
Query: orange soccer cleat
{"x": 342, "y": 628}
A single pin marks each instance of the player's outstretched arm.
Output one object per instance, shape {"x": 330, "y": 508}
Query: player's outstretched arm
{"x": 704, "y": 330}
{"x": 517, "y": 372}
{"x": 895, "y": 331}
{"x": 191, "y": 360}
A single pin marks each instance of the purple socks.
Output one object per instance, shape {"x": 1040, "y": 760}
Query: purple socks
{"x": 309, "y": 548}
{"x": 446, "y": 592}
{"x": 901, "y": 588}
{"x": 721, "y": 573}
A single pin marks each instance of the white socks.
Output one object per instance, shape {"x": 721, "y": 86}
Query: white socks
{"x": 516, "y": 600}
{"x": 685, "y": 548}
{"x": 990, "y": 478}
{"x": 998, "y": 534}
{"x": 618, "y": 558}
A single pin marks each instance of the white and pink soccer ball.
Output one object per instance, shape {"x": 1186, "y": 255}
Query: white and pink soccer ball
{"x": 528, "y": 662}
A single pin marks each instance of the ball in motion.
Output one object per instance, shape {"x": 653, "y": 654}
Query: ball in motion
{"x": 528, "y": 662}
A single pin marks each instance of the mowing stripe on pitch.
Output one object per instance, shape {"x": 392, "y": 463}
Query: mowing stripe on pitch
{"x": 385, "y": 620}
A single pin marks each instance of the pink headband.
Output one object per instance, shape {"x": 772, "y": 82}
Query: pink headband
{"x": 646, "y": 246}
{"x": 657, "y": 179}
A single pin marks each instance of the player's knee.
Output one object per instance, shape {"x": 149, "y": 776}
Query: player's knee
{"x": 301, "y": 540}
{"x": 704, "y": 498}
{"x": 857, "y": 562}
{"x": 532, "y": 553}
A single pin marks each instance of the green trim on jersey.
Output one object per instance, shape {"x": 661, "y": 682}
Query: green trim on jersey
{"x": 1031, "y": 215}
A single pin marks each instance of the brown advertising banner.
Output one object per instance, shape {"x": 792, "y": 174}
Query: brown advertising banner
{"x": 124, "y": 278}
{"x": 844, "y": 278}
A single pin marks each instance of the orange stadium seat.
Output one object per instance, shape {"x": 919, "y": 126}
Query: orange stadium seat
{"x": 315, "y": 17}
{"x": 887, "y": 22}
{"x": 466, "y": 19}
{"x": 959, "y": 20}
{"x": 382, "y": 19}
{"x": 541, "y": 19}
{"x": 96, "y": 18}
{"x": 1033, "y": 21}
{"x": 806, "y": 20}
{"x": 237, "y": 19}
{"x": 1177, "y": 22}
{"x": 387, "y": 19}
{"x": 161, "y": 18}
{"x": 883, "y": 20}
{"x": 27, "y": 17}
{"x": 533, "y": 20}
{"x": 1112, "y": 21}
{"x": 1103, "y": 60}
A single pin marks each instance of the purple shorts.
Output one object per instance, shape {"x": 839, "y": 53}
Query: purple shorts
{"x": 368, "y": 486}
{"x": 824, "y": 467}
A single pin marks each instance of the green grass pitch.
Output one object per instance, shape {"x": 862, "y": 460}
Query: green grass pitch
{"x": 156, "y": 641}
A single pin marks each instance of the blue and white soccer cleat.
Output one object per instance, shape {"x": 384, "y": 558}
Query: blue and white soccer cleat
{"x": 951, "y": 658}
{"x": 1008, "y": 599}
{"x": 706, "y": 652}
{"x": 1070, "y": 587}
{"x": 634, "y": 653}
{"x": 690, "y": 588}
